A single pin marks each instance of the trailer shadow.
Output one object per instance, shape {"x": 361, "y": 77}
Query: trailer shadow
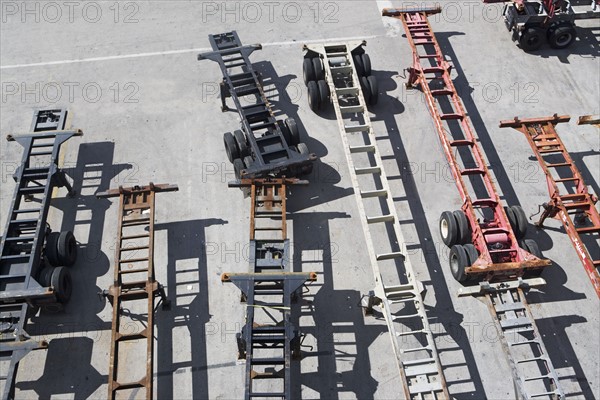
{"x": 57, "y": 379}
{"x": 561, "y": 351}
{"x": 85, "y": 216}
{"x": 92, "y": 172}
{"x": 324, "y": 177}
{"x": 443, "y": 312}
{"x": 339, "y": 332}
{"x": 279, "y": 91}
{"x": 189, "y": 311}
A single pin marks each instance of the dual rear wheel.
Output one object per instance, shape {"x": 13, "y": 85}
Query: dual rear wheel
{"x": 60, "y": 250}
{"x": 319, "y": 95}
{"x": 559, "y": 36}
{"x": 456, "y": 233}
{"x": 368, "y": 82}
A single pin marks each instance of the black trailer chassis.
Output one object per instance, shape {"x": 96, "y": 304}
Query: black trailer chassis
{"x": 34, "y": 260}
{"x": 264, "y": 146}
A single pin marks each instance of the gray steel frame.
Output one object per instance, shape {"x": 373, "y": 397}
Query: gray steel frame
{"x": 21, "y": 257}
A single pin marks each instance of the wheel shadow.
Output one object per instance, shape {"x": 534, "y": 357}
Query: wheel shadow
{"x": 339, "y": 334}
{"x": 587, "y": 45}
{"x": 189, "y": 311}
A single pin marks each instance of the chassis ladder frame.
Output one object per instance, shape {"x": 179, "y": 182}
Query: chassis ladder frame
{"x": 269, "y": 277}
{"x": 510, "y": 260}
{"x": 421, "y": 377}
{"x": 271, "y": 152}
{"x": 506, "y": 300}
{"x": 544, "y": 141}
{"x": 21, "y": 247}
{"x": 521, "y": 341}
{"x": 134, "y": 202}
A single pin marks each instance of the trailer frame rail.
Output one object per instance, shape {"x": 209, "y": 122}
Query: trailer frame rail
{"x": 497, "y": 253}
{"x": 134, "y": 280}
{"x": 573, "y": 206}
{"x": 414, "y": 348}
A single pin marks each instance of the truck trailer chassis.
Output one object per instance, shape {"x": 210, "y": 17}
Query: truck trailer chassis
{"x": 269, "y": 339}
{"x": 263, "y": 146}
{"x": 486, "y": 249}
{"x": 34, "y": 260}
{"x": 342, "y": 67}
{"x": 134, "y": 284}
{"x": 574, "y": 206}
{"x": 534, "y": 22}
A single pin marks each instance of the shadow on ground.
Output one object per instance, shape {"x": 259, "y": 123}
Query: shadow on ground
{"x": 341, "y": 336}
{"x": 187, "y": 288}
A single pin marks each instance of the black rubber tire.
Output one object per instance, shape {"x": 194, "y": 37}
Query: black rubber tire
{"x": 238, "y": 166}
{"x": 67, "y": 249}
{"x": 242, "y": 144}
{"x": 366, "y": 62}
{"x": 366, "y": 89}
{"x": 285, "y": 132}
{"x": 306, "y": 169}
{"x": 358, "y": 64}
{"x": 230, "y": 147}
{"x": 512, "y": 219}
{"x": 292, "y": 127}
{"x": 44, "y": 276}
{"x": 458, "y": 262}
{"x": 448, "y": 228}
{"x": 373, "y": 89}
{"x": 51, "y": 249}
{"x": 464, "y": 233}
{"x": 324, "y": 94}
{"x": 562, "y": 36}
{"x": 521, "y": 220}
{"x": 303, "y": 149}
{"x": 308, "y": 71}
{"x": 313, "y": 96}
{"x": 318, "y": 68}
{"x": 472, "y": 253}
{"x": 248, "y": 161}
{"x": 62, "y": 284}
{"x": 532, "y": 38}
